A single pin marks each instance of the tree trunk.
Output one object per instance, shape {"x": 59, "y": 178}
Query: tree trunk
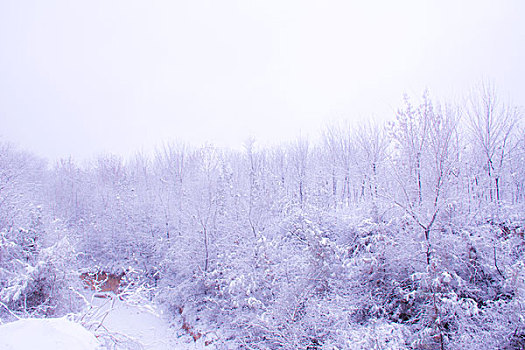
{"x": 205, "y": 233}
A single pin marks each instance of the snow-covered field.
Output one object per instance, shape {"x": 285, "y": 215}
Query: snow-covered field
{"x": 109, "y": 323}
{"x": 46, "y": 334}
{"x": 131, "y": 326}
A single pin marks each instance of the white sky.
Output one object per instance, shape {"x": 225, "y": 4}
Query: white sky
{"x": 85, "y": 77}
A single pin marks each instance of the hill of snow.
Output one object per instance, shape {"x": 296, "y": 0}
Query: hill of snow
{"x": 46, "y": 334}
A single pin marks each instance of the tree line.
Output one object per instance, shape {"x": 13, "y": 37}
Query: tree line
{"x": 406, "y": 234}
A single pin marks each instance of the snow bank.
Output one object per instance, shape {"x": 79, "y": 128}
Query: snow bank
{"x": 139, "y": 326}
{"x": 46, "y": 334}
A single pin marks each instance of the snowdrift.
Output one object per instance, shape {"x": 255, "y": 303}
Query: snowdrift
{"x": 46, "y": 334}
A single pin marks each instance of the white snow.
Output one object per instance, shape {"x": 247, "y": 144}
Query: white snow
{"x": 46, "y": 334}
{"x": 133, "y": 326}
{"x": 110, "y": 323}
{"x": 121, "y": 324}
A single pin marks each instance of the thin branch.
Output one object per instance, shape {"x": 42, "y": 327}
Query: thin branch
{"x": 9, "y": 310}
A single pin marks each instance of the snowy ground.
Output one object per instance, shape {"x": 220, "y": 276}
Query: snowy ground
{"x": 46, "y": 334}
{"x": 130, "y": 326}
{"x": 110, "y": 323}
{"x": 122, "y": 324}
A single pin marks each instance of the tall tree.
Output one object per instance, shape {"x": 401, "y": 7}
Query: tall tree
{"x": 492, "y": 124}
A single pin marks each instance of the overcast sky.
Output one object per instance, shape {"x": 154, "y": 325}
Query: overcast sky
{"x": 84, "y": 77}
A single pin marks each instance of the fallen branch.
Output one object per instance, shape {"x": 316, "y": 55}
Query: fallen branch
{"x": 9, "y": 310}
{"x": 496, "y": 263}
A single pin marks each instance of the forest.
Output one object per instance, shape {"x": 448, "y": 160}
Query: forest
{"x": 407, "y": 234}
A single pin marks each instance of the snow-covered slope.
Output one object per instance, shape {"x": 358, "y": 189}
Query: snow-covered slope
{"x": 109, "y": 324}
{"x": 133, "y": 326}
{"x": 128, "y": 325}
{"x": 46, "y": 334}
